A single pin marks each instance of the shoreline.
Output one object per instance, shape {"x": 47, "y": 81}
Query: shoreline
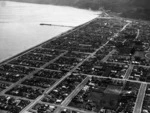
{"x": 130, "y": 11}
{"x": 18, "y": 15}
{"x": 53, "y": 38}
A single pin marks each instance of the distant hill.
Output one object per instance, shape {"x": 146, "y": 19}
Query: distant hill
{"x": 138, "y": 9}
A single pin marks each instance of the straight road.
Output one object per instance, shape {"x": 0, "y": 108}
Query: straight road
{"x": 138, "y": 33}
{"x": 107, "y": 56}
{"x": 128, "y": 72}
{"x": 73, "y": 94}
{"x": 140, "y": 98}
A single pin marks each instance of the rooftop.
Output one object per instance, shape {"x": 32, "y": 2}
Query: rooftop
{"x": 82, "y": 71}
